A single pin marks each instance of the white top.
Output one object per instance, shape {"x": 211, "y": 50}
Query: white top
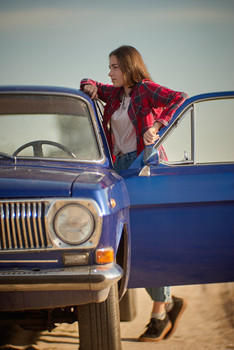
{"x": 123, "y": 129}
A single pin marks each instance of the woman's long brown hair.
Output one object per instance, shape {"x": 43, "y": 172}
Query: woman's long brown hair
{"x": 131, "y": 64}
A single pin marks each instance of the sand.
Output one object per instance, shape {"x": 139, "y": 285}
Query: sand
{"x": 207, "y": 323}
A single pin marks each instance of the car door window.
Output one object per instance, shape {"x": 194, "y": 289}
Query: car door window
{"x": 203, "y": 134}
{"x": 214, "y": 131}
{"x": 178, "y": 144}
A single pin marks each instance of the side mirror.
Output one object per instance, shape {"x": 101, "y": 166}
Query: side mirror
{"x": 150, "y": 155}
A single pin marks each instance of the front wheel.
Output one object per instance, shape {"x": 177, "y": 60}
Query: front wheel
{"x": 99, "y": 324}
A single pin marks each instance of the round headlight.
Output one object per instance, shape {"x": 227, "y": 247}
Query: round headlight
{"x": 74, "y": 224}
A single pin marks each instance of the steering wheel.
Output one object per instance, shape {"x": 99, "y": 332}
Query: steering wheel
{"x": 37, "y": 148}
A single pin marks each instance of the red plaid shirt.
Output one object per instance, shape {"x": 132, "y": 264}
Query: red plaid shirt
{"x": 149, "y": 103}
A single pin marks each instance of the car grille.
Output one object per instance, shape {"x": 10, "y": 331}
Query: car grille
{"x": 23, "y": 225}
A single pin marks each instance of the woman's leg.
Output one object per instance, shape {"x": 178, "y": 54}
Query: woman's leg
{"x": 165, "y": 314}
{"x": 160, "y": 294}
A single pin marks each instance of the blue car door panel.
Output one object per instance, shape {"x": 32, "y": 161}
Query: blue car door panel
{"x": 181, "y": 226}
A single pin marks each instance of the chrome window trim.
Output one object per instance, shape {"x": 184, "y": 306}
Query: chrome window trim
{"x": 193, "y": 133}
{"x": 187, "y": 164}
{"x": 145, "y": 171}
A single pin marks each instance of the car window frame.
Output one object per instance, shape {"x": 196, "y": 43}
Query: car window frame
{"x": 193, "y": 107}
{"x": 93, "y": 118}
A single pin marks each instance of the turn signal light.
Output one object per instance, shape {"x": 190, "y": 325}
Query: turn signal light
{"x": 105, "y": 255}
{"x": 112, "y": 203}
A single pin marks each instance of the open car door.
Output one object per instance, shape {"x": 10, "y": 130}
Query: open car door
{"x": 181, "y": 209}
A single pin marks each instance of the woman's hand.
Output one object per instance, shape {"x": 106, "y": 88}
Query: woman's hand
{"x": 91, "y": 90}
{"x": 150, "y": 136}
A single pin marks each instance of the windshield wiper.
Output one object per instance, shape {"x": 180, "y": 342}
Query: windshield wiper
{"x": 7, "y": 156}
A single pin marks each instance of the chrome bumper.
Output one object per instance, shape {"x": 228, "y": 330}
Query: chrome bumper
{"x": 97, "y": 277}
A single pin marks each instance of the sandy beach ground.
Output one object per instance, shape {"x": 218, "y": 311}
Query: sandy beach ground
{"x": 207, "y": 324}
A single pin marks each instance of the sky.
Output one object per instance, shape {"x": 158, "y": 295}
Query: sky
{"x": 187, "y": 45}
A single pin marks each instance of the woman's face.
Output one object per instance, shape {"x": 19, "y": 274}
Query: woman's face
{"x": 115, "y": 73}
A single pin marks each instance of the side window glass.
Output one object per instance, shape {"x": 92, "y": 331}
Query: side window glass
{"x": 214, "y": 131}
{"x": 177, "y": 145}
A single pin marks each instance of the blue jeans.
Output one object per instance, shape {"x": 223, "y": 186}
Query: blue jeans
{"x": 160, "y": 294}
{"x": 157, "y": 294}
{"x": 123, "y": 162}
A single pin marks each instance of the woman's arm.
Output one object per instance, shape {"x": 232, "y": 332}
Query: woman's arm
{"x": 160, "y": 96}
{"x": 95, "y": 89}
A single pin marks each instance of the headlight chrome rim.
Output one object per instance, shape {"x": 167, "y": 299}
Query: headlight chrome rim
{"x": 88, "y": 221}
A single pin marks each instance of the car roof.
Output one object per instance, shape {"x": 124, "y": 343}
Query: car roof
{"x": 43, "y": 89}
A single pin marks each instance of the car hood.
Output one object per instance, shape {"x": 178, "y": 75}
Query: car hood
{"x": 21, "y": 182}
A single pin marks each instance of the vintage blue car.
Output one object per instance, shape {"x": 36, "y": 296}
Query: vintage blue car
{"x": 73, "y": 233}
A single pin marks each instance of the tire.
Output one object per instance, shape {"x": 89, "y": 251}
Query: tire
{"x": 128, "y": 305}
{"x": 99, "y": 324}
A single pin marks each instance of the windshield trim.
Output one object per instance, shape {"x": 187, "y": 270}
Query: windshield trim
{"x": 100, "y": 146}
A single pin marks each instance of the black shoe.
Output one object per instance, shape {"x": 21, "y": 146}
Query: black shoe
{"x": 175, "y": 313}
{"x": 156, "y": 330}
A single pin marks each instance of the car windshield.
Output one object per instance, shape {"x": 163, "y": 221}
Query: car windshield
{"x": 48, "y": 126}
